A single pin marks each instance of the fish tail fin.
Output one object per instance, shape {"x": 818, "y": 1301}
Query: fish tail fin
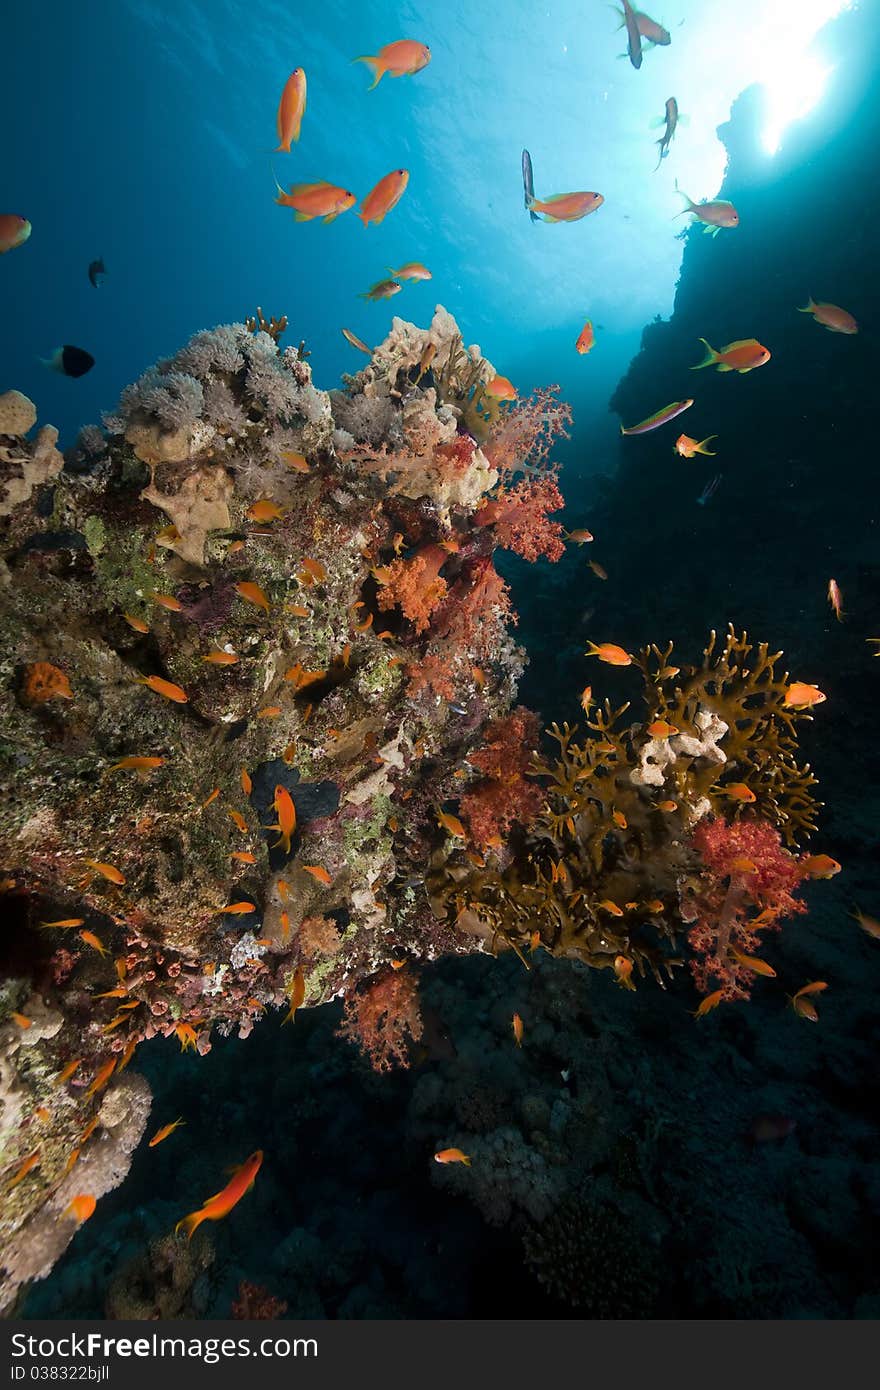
{"x": 282, "y": 148}
{"x": 690, "y": 205}
{"x": 701, "y": 447}
{"x": 810, "y": 306}
{"x": 190, "y": 1223}
{"x": 376, "y": 67}
{"x": 592, "y": 649}
{"x": 364, "y": 217}
{"x": 709, "y": 360}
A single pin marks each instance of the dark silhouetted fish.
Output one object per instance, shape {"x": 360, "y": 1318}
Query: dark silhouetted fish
{"x": 97, "y": 273}
{"x": 528, "y": 183}
{"x": 69, "y": 361}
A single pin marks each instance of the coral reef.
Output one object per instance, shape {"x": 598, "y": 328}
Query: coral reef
{"x": 586, "y": 1255}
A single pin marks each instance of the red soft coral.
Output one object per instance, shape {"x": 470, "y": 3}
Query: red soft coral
{"x": 731, "y": 891}
{"x": 433, "y": 673}
{"x": 506, "y": 796}
{"x": 475, "y": 609}
{"x": 519, "y": 516}
{"x": 382, "y": 1018}
{"x": 527, "y": 432}
{"x": 415, "y": 585}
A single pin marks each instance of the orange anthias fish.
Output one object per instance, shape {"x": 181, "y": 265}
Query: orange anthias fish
{"x": 452, "y": 1156}
{"x": 452, "y": 825}
{"x": 298, "y": 462}
{"x": 102, "y": 1076}
{"x": 869, "y": 925}
{"x": 742, "y": 356}
{"x": 517, "y": 1025}
{"x": 565, "y": 207}
{"x": 688, "y": 448}
{"x": 608, "y": 906}
{"x": 166, "y": 688}
{"x": 599, "y": 570}
{"x": 820, "y": 866}
{"x": 710, "y": 1002}
{"x": 320, "y": 199}
{"x": 108, "y": 871}
{"x": 186, "y": 1036}
{"x": 799, "y": 695}
{"x": 81, "y": 1207}
{"x": 296, "y": 994}
{"x": 660, "y": 417}
{"x": 835, "y": 598}
{"x": 136, "y": 764}
{"x": 252, "y": 593}
{"x": 501, "y": 389}
{"x": 14, "y": 231}
{"x": 137, "y": 623}
{"x": 586, "y": 338}
{"x": 242, "y": 909}
{"x": 219, "y": 657}
{"x": 402, "y": 58}
{"x": 413, "y": 270}
{"x": 661, "y": 728}
{"x": 760, "y": 967}
{"x": 167, "y": 601}
{"x": 291, "y": 110}
{"x": 609, "y": 653}
{"x": 835, "y": 319}
{"x": 386, "y": 195}
{"x": 67, "y": 1072}
{"x": 94, "y": 941}
{"x": 715, "y": 215}
{"x": 286, "y": 812}
{"x": 738, "y": 791}
{"x": 623, "y": 969}
{"x": 30, "y": 1162}
{"x": 164, "y": 1132}
{"x": 319, "y": 872}
{"x": 222, "y": 1203}
{"x": 580, "y": 537}
{"x": 264, "y": 509}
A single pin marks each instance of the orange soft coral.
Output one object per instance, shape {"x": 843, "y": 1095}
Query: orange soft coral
{"x": 382, "y": 1018}
{"x": 520, "y": 521}
{"x": 415, "y": 585}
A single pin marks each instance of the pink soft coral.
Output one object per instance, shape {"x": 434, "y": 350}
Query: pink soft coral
{"x": 505, "y": 796}
{"x": 746, "y": 871}
{"x": 519, "y": 516}
{"x": 527, "y": 432}
{"x": 382, "y": 1017}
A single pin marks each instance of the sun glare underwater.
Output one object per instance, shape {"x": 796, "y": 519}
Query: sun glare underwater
{"x": 439, "y": 604}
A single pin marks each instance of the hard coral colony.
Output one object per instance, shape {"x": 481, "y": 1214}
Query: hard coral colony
{"x": 353, "y": 789}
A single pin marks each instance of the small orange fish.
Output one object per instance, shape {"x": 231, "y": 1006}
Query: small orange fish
{"x": 687, "y": 448}
{"x": 114, "y": 1023}
{"x": 820, "y": 866}
{"x": 241, "y": 909}
{"x": 291, "y": 109}
{"x": 601, "y": 573}
{"x": 667, "y": 806}
{"x": 166, "y": 601}
{"x": 263, "y": 510}
{"x": 799, "y": 695}
{"x": 21, "y": 1020}
{"x": 164, "y": 1132}
{"x": 269, "y": 712}
{"x": 608, "y": 906}
{"x": 586, "y": 338}
{"x": 831, "y": 316}
{"x": 186, "y": 1036}
{"x": 136, "y": 764}
{"x": 286, "y": 824}
{"x": 247, "y": 785}
{"x": 402, "y": 58}
{"x": 42, "y": 1113}
{"x": 413, "y": 270}
{"x": 243, "y": 856}
{"x": 835, "y": 598}
{"x": 564, "y": 207}
{"x": 661, "y": 728}
{"x": 580, "y": 537}
{"x": 220, "y": 657}
{"x": 298, "y": 610}
{"x": 102, "y": 1076}
{"x": 221, "y": 1205}
{"x": 501, "y": 388}
{"x": 81, "y": 1207}
{"x": 30, "y": 1163}
{"x": 805, "y": 1008}
{"x": 67, "y": 1072}
{"x": 738, "y": 791}
{"x": 814, "y": 987}
{"x": 742, "y": 356}
{"x": 72, "y": 1158}
{"x": 137, "y": 623}
{"x": 654, "y": 906}
{"x": 452, "y": 1156}
{"x": 319, "y": 872}
{"x": 94, "y": 941}
{"x": 107, "y": 871}
{"x": 452, "y": 825}
{"x": 64, "y": 923}
{"x": 385, "y": 196}
{"x": 252, "y": 593}
{"x": 90, "y": 1129}
{"x": 760, "y": 967}
{"x": 296, "y": 992}
{"x": 743, "y": 865}
{"x": 298, "y": 462}
{"x": 623, "y": 969}
{"x": 609, "y": 653}
{"x": 517, "y": 1024}
{"x": 127, "y": 1054}
{"x": 283, "y": 890}
{"x": 869, "y": 925}
{"x": 210, "y": 798}
{"x": 619, "y": 819}
{"x": 166, "y": 688}
{"x": 710, "y": 1002}
{"x": 315, "y": 569}
{"x": 235, "y": 547}
{"x": 238, "y": 820}
{"x": 318, "y": 199}
{"x": 534, "y": 940}
{"x": 285, "y": 925}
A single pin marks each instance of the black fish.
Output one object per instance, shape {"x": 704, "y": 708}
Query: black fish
{"x": 69, "y": 361}
{"x": 670, "y": 120}
{"x": 97, "y": 273}
{"x": 528, "y": 183}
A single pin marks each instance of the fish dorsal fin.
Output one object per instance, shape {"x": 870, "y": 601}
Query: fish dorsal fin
{"x": 740, "y": 343}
